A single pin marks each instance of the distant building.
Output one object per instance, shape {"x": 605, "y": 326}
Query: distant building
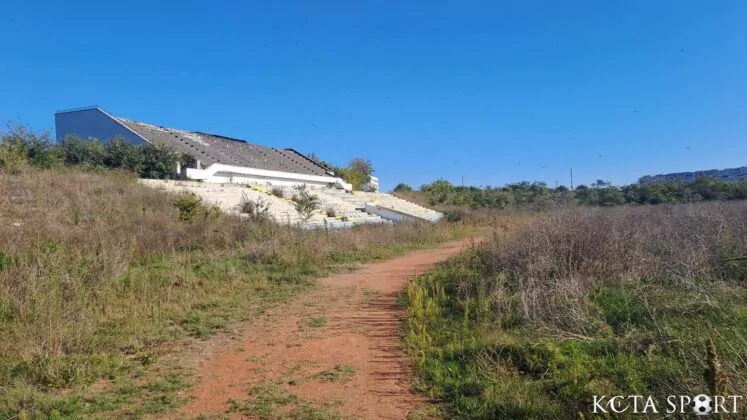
{"x": 729, "y": 175}
{"x": 216, "y": 158}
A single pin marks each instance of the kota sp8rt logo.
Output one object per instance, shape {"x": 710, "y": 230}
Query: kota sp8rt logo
{"x": 701, "y": 405}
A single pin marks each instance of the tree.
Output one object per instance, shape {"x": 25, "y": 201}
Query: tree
{"x": 305, "y": 202}
{"x": 402, "y": 187}
{"x": 326, "y": 165}
{"x": 362, "y": 166}
{"x": 439, "y": 190}
{"x": 600, "y": 183}
{"x": 358, "y": 172}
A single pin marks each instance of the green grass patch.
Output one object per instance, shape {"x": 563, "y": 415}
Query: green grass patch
{"x": 272, "y": 401}
{"x": 316, "y": 322}
{"x": 339, "y": 373}
{"x": 643, "y": 338}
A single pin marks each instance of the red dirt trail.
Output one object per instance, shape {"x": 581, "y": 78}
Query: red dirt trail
{"x": 362, "y": 332}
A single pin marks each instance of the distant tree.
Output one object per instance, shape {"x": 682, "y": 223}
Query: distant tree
{"x": 599, "y": 183}
{"x": 439, "y": 191}
{"x": 358, "y": 172}
{"x": 402, "y": 187}
{"x": 313, "y": 156}
{"x": 361, "y": 165}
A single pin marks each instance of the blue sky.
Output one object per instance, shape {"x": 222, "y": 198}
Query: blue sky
{"x": 492, "y": 91}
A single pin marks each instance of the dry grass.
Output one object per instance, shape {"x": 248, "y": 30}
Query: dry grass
{"x": 97, "y": 270}
{"x": 551, "y": 265}
{"x": 583, "y": 302}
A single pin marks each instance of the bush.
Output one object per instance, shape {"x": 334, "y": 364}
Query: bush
{"x": 305, "y": 202}
{"x": 331, "y": 212}
{"x": 258, "y": 210}
{"x": 76, "y": 151}
{"x": 11, "y": 161}
{"x": 214, "y": 212}
{"x": 454, "y": 215}
{"x": 188, "y": 205}
{"x": 20, "y": 146}
{"x": 120, "y": 153}
{"x": 278, "y": 192}
{"x": 157, "y": 162}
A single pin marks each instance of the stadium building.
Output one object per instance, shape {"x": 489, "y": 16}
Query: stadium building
{"x": 226, "y": 170}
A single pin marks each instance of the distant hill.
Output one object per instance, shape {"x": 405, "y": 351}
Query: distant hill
{"x": 729, "y": 175}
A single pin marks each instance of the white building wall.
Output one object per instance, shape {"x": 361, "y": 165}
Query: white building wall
{"x": 221, "y": 173}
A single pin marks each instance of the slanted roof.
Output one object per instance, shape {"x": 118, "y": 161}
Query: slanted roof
{"x": 212, "y": 148}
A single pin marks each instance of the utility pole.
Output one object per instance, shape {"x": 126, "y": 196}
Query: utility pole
{"x": 571, "y": 178}
{"x": 462, "y": 180}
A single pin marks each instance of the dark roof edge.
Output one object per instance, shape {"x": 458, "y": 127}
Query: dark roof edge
{"x": 83, "y": 108}
{"x": 310, "y": 160}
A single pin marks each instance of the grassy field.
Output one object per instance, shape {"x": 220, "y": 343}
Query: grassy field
{"x": 584, "y": 302}
{"x": 100, "y": 281}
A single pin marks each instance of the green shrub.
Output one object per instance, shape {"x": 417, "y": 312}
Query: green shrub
{"x": 158, "y": 162}
{"x": 214, "y": 212}
{"x": 188, "y": 205}
{"x": 76, "y": 151}
{"x": 11, "y": 161}
{"x": 120, "y": 153}
{"x": 454, "y": 215}
{"x": 305, "y": 202}
{"x": 20, "y": 145}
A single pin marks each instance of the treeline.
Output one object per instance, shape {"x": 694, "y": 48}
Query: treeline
{"x": 20, "y": 146}
{"x": 600, "y": 193}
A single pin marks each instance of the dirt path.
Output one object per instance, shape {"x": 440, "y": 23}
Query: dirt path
{"x": 336, "y": 349}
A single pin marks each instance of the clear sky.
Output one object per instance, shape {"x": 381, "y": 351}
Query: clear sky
{"x": 493, "y": 91}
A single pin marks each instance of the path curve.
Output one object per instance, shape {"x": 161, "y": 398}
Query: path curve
{"x": 352, "y": 364}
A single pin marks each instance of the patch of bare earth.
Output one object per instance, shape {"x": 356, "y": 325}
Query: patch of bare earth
{"x": 337, "y": 348}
